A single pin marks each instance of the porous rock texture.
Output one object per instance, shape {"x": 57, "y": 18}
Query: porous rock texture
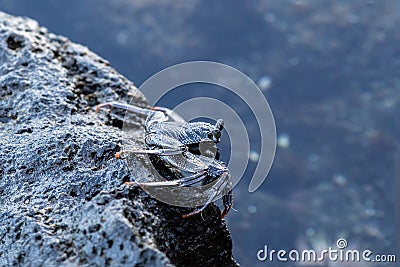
{"x": 63, "y": 201}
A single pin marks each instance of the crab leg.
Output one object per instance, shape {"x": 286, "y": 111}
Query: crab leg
{"x": 160, "y": 152}
{"x": 227, "y": 201}
{"x": 185, "y": 181}
{"x": 197, "y": 211}
{"x": 189, "y": 180}
{"x": 142, "y": 111}
{"x": 127, "y": 107}
{"x": 220, "y": 184}
{"x": 193, "y": 179}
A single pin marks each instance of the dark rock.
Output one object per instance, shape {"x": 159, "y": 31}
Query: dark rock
{"x": 62, "y": 195}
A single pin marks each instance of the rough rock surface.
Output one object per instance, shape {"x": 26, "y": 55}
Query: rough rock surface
{"x": 62, "y": 197}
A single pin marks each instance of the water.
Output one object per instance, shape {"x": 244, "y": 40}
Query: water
{"x": 328, "y": 72}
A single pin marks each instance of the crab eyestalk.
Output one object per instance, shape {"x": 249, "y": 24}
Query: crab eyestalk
{"x": 215, "y": 134}
{"x": 219, "y": 125}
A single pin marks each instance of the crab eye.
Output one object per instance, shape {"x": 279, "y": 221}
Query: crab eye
{"x": 210, "y": 135}
{"x": 220, "y": 124}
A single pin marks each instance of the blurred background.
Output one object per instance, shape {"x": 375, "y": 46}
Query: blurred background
{"x": 330, "y": 71}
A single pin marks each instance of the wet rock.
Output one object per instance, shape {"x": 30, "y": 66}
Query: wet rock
{"x": 62, "y": 195}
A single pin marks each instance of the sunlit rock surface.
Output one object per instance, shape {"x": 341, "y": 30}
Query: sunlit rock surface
{"x": 62, "y": 195}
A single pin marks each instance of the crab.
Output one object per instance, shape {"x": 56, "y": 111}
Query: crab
{"x": 188, "y": 149}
